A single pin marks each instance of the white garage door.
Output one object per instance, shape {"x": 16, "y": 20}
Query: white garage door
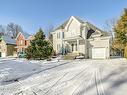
{"x": 98, "y": 53}
{"x": 3, "y": 54}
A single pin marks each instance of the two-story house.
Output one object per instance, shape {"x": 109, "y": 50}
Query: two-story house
{"x": 78, "y": 36}
{"x": 23, "y": 41}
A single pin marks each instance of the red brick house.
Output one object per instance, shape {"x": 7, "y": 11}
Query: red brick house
{"x": 23, "y": 41}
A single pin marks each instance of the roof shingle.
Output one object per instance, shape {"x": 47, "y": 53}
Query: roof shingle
{"x": 9, "y": 40}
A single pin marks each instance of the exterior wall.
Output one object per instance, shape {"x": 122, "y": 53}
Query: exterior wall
{"x": 10, "y": 50}
{"x": 57, "y": 41}
{"x": 3, "y": 48}
{"x": 72, "y": 28}
{"x": 6, "y": 49}
{"x": 18, "y": 41}
{"x": 85, "y": 46}
{"x": 99, "y": 42}
{"x": 81, "y": 47}
{"x": 22, "y": 43}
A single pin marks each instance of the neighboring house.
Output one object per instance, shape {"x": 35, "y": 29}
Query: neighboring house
{"x": 7, "y": 46}
{"x": 23, "y": 41}
{"x": 78, "y": 36}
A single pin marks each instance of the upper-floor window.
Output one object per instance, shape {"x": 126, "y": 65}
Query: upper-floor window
{"x": 21, "y": 42}
{"x": 25, "y": 43}
{"x": 63, "y": 35}
{"x": 58, "y": 35}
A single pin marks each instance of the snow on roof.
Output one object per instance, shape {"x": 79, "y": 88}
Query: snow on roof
{"x": 91, "y": 26}
{"x": 9, "y": 40}
{"x": 26, "y": 35}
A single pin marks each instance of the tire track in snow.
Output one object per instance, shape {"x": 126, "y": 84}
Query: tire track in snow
{"x": 72, "y": 82}
{"x": 98, "y": 82}
{"x": 24, "y": 90}
{"x": 65, "y": 63}
{"x": 78, "y": 90}
{"x": 95, "y": 81}
{"x": 43, "y": 91}
{"x": 56, "y": 83}
{"x": 49, "y": 68}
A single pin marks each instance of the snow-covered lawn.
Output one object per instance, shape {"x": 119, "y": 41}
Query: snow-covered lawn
{"x": 78, "y": 77}
{"x": 11, "y": 70}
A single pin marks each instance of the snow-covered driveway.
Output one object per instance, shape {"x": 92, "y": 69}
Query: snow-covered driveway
{"x": 79, "y": 77}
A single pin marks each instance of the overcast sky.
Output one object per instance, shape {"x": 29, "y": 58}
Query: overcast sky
{"x": 32, "y": 14}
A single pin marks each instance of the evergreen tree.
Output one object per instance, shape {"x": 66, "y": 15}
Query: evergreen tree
{"x": 121, "y": 32}
{"x": 40, "y": 48}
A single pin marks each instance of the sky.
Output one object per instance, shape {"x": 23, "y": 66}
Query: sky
{"x": 33, "y": 14}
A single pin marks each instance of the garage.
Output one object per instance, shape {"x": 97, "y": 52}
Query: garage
{"x": 98, "y": 53}
{"x": 3, "y": 54}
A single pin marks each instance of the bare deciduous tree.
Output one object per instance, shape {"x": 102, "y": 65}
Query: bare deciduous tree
{"x": 2, "y": 30}
{"x": 49, "y": 30}
{"x": 13, "y": 29}
{"x": 109, "y": 26}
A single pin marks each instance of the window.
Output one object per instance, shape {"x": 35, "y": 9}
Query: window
{"x": 58, "y": 47}
{"x": 63, "y": 35}
{"x": 72, "y": 47}
{"x": 76, "y": 47}
{"x": 25, "y": 42}
{"x": 58, "y": 35}
{"x": 21, "y": 42}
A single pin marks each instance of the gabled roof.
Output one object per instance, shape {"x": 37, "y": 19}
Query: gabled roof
{"x": 80, "y": 20}
{"x": 9, "y": 40}
{"x": 62, "y": 26}
{"x": 91, "y": 26}
{"x": 26, "y": 35}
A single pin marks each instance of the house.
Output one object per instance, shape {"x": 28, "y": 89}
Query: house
{"x": 81, "y": 37}
{"x": 7, "y": 46}
{"x": 23, "y": 41}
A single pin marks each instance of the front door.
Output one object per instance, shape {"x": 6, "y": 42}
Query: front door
{"x": 72, "y": 47}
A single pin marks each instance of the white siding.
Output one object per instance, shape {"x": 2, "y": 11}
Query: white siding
{"x": 73, "y": 28}
{"x": 99, "y": 43}
{"x": 57, "y": 40}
